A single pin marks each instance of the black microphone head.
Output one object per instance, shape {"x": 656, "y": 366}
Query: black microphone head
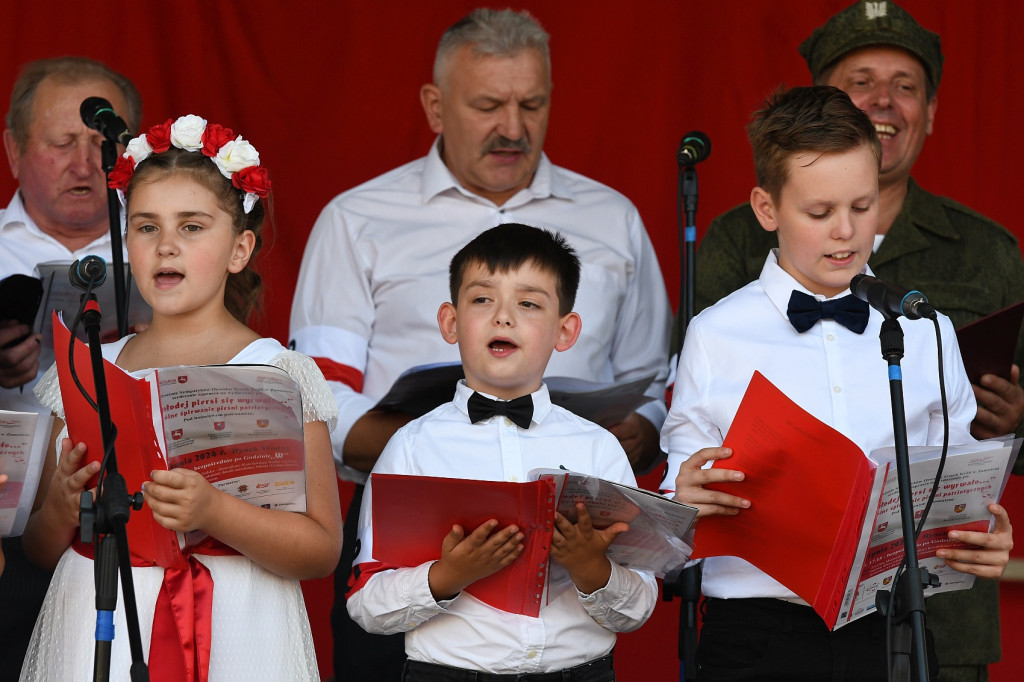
{"x": 91, "y": 108}
{"x": 857, "y": 283}
{"x": 88, "y": 272}
{"x": 693, "y": 148}
{"x": 98, "y": 114}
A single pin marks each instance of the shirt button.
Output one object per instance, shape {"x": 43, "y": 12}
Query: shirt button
{"x": 514, "y": 478}
{"x": 837, "y": 389}
{"x": 531, "y": 654}
{"x": 831, "y": 337}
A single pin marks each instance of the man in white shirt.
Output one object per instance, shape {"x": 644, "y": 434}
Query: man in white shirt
{"x": 375, "y": 267}
{"x": 59, "y": 213}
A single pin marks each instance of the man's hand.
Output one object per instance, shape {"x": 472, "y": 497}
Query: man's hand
{"x": 640, "y": 440}
{"x": 692, "y": 477}
{"x": 1000, "y": 405}
{"x": 368, "y": 436}
{"x": 18, "y": 364}
{"x": 991, "y": 553}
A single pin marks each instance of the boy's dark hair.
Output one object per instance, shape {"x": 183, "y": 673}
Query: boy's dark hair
{"x": 510, "y": 246}
{"x": 818, "y": 119}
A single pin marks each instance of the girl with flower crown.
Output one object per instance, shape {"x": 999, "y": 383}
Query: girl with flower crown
{"x": 194, "y": 217}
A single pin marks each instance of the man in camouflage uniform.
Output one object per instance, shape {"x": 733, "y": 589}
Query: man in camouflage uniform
{"x": 968, "y": 265}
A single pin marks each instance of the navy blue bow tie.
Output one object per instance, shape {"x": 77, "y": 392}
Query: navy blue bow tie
{"x": 849, "y": 311}
{"x": 519, "y": 410}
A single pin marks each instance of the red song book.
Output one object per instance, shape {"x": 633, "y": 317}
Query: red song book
{"x": 411, "y": 514}
{"x": 833, "y": 535}
{"x": 240, "y": 426}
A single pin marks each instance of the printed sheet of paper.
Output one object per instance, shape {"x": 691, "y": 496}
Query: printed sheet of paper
{"x": 973, "y": 477}
{"x": 59, "y": 295}
{"x": 240, "y": 426}
{"x": 23, "y": 447}
{"x": 659, "y": 537}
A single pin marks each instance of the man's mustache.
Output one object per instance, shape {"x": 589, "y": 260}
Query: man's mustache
{"x": 505, "y": 144}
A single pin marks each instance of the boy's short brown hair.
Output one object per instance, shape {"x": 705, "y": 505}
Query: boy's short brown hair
{"x": 819, "y": 118}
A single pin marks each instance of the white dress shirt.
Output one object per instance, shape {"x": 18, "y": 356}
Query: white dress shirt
{"x": 375, "y": 271}
{"x": 23, "y": 246}
{"x": 463, "y": 632}
{"x": 834, "y": 374}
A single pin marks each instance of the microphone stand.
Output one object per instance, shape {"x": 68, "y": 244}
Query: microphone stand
{"x": 109, "y": 159}
{"x": 687, "y": 193}
{"x": 906, "y": 639}
{"x": 687, "y": 584}
{"x": 109, "y": 516}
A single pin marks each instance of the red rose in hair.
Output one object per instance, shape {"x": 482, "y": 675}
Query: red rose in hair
{"x": 122, "y": 173}
{"x": 159, "y": 136}
{"x": 253, "y": 179}
{"x": 214, "y": 137}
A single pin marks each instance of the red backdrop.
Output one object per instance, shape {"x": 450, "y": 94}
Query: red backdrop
{"x": 328, "y": 92}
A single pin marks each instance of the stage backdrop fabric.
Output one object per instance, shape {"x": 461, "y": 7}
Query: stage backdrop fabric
{"x": 328, "y": 93}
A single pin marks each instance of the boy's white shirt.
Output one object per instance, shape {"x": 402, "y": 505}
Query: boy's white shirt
{"x": 836, "y": 375}
{"x": 463, "y": 632}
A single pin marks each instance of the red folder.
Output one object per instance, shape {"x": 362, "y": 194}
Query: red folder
{"x": 409, "y": 525}
{"x": 782, "y": 450}
{"x": 137, "y": 451}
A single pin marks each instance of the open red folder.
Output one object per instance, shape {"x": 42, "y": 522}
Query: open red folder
{"x": 409, "y": 524}
{"x": 240, "y": 426}
{"x": 832, "y": 534}
{"x": 411, "y": 514}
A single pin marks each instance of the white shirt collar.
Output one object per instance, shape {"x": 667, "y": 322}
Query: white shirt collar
{"x": 16, "y": 216}
{"x": 438, "y": 179}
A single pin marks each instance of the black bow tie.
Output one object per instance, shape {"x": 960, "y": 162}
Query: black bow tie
{"x": 520, "y": 410}
{"x": 849, "y": 311}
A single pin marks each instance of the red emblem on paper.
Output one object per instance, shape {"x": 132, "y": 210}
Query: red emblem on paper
{"x": 218, "y": 426}
{"x": 263, "y": 423}
{"x": 959, "y": 508}
{"x": 183, "y": 379}
{"x": 881, "y": 527}
{"x": 176, "y": 434}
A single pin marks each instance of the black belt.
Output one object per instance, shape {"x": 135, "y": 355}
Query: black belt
{"x": 566, "y": 675}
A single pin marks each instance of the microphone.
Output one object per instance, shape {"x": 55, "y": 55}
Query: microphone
{"x": 891, "y": 300}
{"x": 88, "y": 273}
{"x": 98, "y": 114}
{"x": 693, "y": 148}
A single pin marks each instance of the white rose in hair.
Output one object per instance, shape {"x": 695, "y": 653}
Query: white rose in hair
{"x": 236, "y": 155}
{"x": 187, "y": 132}
{"x": 138, "y": 148}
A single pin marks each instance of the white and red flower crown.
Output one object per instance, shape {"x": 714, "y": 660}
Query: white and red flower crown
{"x": 235, "y": 158}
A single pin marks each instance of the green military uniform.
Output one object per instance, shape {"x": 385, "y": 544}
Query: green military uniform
{"x": 968, "y": 266}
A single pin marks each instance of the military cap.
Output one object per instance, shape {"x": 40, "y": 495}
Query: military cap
{"x": 873, "y": 23}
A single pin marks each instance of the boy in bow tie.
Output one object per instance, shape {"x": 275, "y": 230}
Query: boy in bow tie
{"x": 817, "y": 159}
{"x": 512, "y": 294}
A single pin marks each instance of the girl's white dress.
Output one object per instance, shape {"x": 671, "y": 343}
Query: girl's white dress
{"x": 260, "y": 627}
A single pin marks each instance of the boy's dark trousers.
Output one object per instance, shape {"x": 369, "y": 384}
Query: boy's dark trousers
{"x": 770, "y": 639}
{"x": 598, "y": 670}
